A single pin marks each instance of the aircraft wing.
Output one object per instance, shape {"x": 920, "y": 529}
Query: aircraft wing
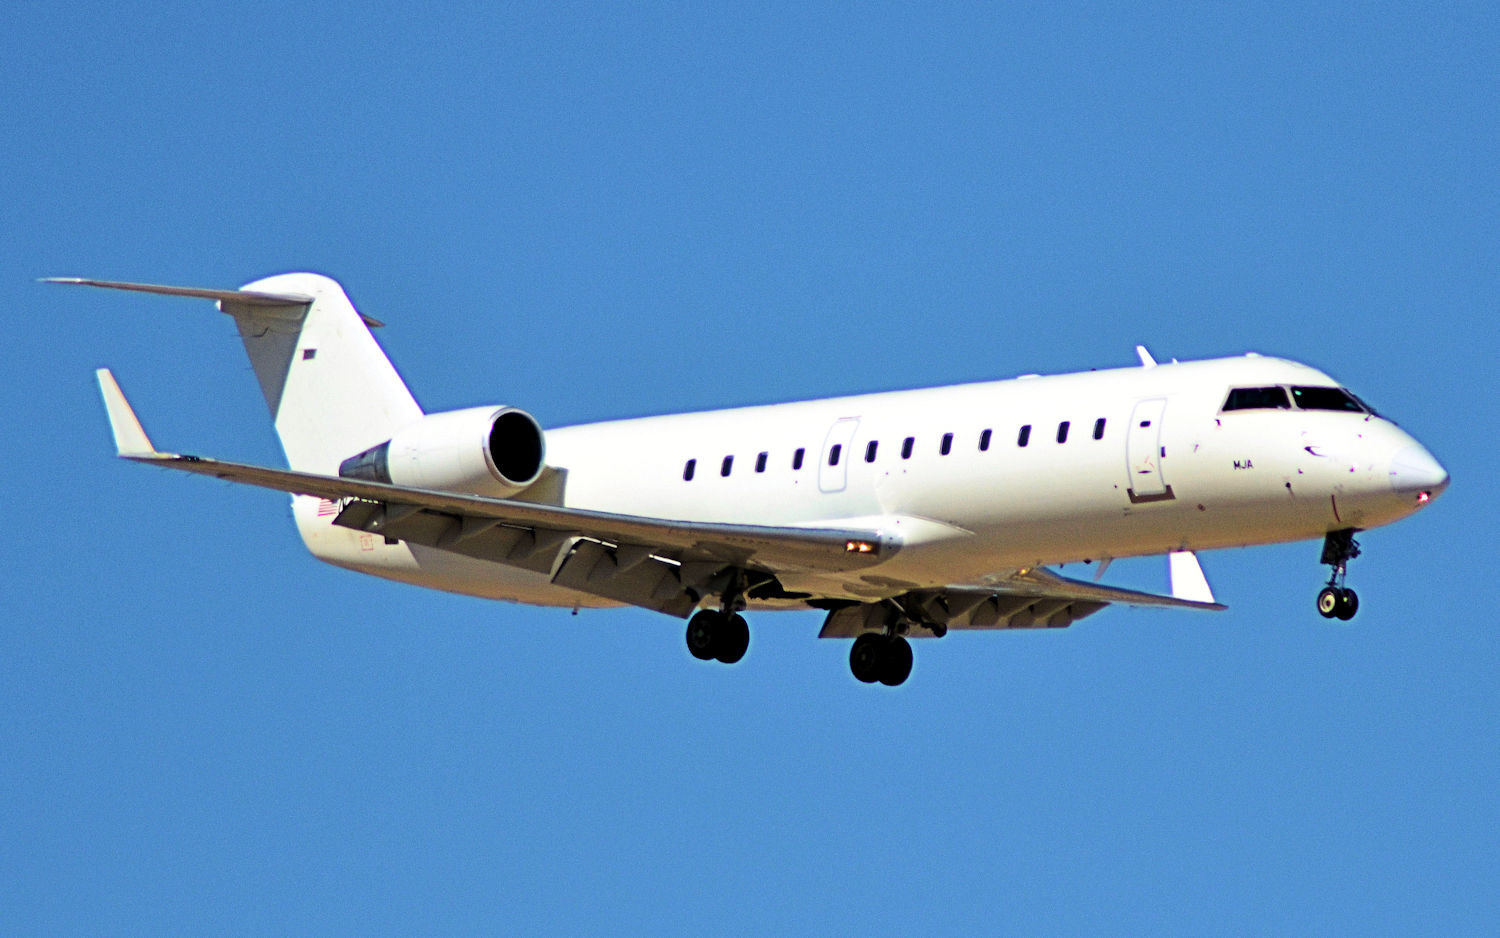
{"x": 656, "y": 563}
{"x": 1027, "y": 599}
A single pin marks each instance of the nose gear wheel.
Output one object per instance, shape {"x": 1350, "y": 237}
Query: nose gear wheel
{"x": 1337, "y": 601}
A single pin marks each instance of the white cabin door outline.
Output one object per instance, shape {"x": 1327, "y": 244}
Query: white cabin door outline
{"x": 833, "y": 465}
{"x": 1145, "y": 454}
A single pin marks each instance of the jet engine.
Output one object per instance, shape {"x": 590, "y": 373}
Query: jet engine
{"x": 478, "y": 451}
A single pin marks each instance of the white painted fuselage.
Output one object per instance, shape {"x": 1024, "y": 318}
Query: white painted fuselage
{"x": 1150, "y": 462}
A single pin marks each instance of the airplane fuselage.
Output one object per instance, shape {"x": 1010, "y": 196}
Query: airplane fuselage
{"x": 975, "y": 481}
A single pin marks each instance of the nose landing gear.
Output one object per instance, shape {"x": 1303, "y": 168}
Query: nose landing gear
{"x": 1337, "y": 601}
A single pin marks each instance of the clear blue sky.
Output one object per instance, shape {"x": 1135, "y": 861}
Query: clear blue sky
{"x": 599, "y": 212}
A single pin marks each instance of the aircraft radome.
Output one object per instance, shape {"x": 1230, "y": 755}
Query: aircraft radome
{"x": 901, "y": 515}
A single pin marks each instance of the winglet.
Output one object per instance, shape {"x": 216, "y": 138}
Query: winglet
{"x": 130, "y": 439}
{"x": 1188, "y": 581}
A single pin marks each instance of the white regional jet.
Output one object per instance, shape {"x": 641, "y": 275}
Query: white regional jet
{"x": 901, "y": 514}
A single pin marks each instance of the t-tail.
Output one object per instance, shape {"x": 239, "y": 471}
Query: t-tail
{"x": 331, "y": 390}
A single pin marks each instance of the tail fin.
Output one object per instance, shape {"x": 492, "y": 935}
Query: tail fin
{"x": 331, "y": 390}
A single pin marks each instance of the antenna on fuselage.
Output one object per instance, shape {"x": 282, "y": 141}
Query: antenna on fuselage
{"x": 1146, "y": 360}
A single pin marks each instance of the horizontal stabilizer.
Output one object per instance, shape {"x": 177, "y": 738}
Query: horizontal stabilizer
{"x": 241, "y": 298}
{"x": 130, "y": 439}
{"x": 247, "y": 297}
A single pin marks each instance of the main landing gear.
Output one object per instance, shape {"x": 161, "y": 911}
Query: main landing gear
{"x": 1337, "y": 601}
{"x": 877, "y": 656}
{"x": 715, "y": 635}
{"x": 721, "y": 634}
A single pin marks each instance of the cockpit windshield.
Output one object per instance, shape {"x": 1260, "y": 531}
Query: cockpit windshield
{"x": 1303, "y": 397}
{"x": 1258, "y": 399}
{"x": 1326, "y": 399}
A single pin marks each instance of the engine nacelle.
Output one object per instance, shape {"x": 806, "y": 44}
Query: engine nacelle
{"x": 478, "y": 451}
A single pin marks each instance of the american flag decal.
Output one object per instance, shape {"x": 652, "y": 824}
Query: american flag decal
{"x": 327, "y": 508}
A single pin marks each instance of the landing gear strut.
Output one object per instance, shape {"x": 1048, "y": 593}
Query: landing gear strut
{"x": 1336, "y": 600}
{"x": 879, "y": 657}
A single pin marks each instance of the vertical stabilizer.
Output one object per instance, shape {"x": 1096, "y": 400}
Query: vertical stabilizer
{"x": 330, "y": 388}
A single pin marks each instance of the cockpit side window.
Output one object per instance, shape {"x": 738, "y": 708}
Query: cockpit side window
{"x": 1362, "y": 402}
{"x": 1272, "y": 398}
{"x": 1325, "y": 399}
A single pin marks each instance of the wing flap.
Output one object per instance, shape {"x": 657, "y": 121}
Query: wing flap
{"x": 1041, "y": 582}
{"x": 988, "y": 611}
{"x": 1028, "y": 599}
{"x": 530, "y": 548}
{"x": 652, "y": 583}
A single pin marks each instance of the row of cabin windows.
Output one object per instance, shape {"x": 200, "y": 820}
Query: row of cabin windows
{"x": 836, "y": 451}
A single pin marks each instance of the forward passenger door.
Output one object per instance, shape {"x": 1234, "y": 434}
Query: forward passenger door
{"x": 1146, "y": 481}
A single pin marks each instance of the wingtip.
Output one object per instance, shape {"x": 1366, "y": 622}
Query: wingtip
{"x": 130, "y": 438}
{"x": 1188, "y": 581}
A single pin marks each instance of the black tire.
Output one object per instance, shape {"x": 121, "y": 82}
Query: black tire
{"x": 1348, "y": 605}
{"x": 733, "y": 639}
{"x": 1329, "y": 601}
{"x": 895, "y": 663}
{"x": 865, "y": 657}
{"x": 703, "y": 634}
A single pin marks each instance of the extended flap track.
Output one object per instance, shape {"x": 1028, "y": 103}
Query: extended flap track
{"x": 627, "y": 573}
{"x": 959, "y": 609}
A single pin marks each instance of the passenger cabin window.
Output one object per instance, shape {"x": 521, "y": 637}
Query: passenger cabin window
{"x": 1258, "y": 399}
{"x": 689, "y": 469}
{"x": 984, "y": 441}
{"x": 797, "y": 458}
{"x": 1062, "y": 432}
{"x": 906, "y": 446}
{"x": 947, "y": 446}
{"x": 1025, "y": 436}
{"x": 834, "y": 453}
{"x": 1099, "y": 429}
{"x": 727, "y": 466}
{"x": 870, "y": 451}
{"x": 760, "y": 462}
{"x": 1325, "y": 399}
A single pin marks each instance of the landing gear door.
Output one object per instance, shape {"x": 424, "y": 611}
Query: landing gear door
{"x": 1144, "y": 453}
{"x": 833, "y": 467}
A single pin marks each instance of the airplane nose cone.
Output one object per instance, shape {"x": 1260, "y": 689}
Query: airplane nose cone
{"x": 1414, "y": 471}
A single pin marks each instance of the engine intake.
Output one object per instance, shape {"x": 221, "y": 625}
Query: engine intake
{"x": 478, "y": 451}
